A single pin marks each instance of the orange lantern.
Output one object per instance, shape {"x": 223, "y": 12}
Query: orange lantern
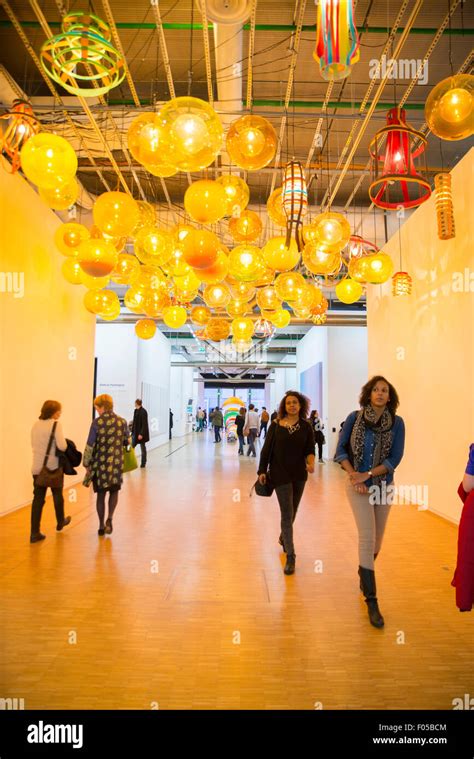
{"x": 217, "y": 272}
{"x": 22, "y": 124}
{"x": 401, "y": 283}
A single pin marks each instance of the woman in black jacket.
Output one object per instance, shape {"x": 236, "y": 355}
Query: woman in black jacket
{"x": 289, "y": 451}
{"x": 140, "y": 431}
{"x": 240, "y": 424}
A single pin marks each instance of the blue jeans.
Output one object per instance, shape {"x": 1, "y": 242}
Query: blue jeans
{"x": 289, "y": 497}
{"x": 241, "y": 443}
{"x": 217, "y": 434}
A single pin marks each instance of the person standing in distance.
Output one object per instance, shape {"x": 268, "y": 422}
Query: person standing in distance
{"x": 251, "y": 424}
{"x": 264, "y": 419}
{"x": 140, "y": 431}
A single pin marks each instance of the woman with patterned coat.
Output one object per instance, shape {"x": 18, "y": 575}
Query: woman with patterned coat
{"x": 103, "y": 457}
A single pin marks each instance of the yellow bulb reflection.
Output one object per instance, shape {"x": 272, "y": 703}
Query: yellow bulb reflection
{"x": 192, "y": 132}
{"x": 252, "y": 142}
{"x": 455, "y": 105}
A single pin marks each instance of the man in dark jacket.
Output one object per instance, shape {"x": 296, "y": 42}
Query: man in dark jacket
{"x": 140, "y": 432}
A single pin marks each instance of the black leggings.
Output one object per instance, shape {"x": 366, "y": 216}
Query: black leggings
{"x": 113, "y": 499}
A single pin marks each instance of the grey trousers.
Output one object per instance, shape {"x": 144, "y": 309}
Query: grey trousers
{"x": 289, "y": 497}
{"x": 371, "y": 521}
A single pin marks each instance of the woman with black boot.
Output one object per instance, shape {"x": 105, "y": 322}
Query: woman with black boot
{"x": 370, "y": 448}
{"x": 289, "y": 452}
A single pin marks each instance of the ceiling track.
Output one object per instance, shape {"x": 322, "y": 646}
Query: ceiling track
{"x": 207, "y": 52}
{"x": 253, "y": 17}
{"x": 164, "y": 49}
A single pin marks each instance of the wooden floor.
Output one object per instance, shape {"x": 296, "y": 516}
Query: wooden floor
{"x": 186, "y": 605}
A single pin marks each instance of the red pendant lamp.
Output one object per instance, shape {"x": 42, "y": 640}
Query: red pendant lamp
{"x": 395, "y": 179}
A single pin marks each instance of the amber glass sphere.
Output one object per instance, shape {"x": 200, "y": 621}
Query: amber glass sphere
{"x": 72, "y": 271}
{"x": 307, "y": 296}
{"x": 246, "y": 228}
{"x": 242, "y": 328}
{"x": 287, "y": 284}
{"x": 188, "y": 283}
{"x": 174, "y": 316}
{"x": 237, "y": 193}
{"x": 145, "y": 329}
{"x": 301, "y": 313}
{"x": 449, "y": 108}
{"x": 217, "y": 296}
{"x": 379, "y": 268}
{"x": 348, "y": 291}
{"x": 319, "y": 260}
{"x": 241, "y": 290}
{"x": 48, "y": 160}
{"x": 200, "y": 248}
{"x": 217, "y": 272}
{"x": 267, "y": 299}
{"x": 69, "y": 236}
{"x": 153, "y": 245}
{"x": 134, "y": 299}
{"x": 281, "y": 318}
{"x": 238, "y": 308}
{"x": 275, "y": 209}
{"x": 100, "y": 301}
{"x": 60, "y": 197}
{"x": 194, "y": 132}
{"x": 149, "y": 277}
{"x": 251, "y": 142}
{"x": 97, "y": 257}
{"x": 331, "y": 230}
{"x": 116, "y": 213}
{"x": 217, "y": 329}
{"x": 200, "y": 315}
{"x": 147, "y": 139}
{"x": 266, "y": 277}
{"x": 205, "y": 201}
{"x": 124, "y": 268}
{"x": 246, "y": 262}
{"x": 147, "y": 216}
{"x": 94, "y": 283}
{"x": 278, "y": 257}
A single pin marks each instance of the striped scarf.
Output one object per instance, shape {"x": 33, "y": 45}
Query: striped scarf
{"x": 366, "y": 418}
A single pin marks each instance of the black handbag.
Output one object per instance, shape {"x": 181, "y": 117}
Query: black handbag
{"x": 50, "y": 478}
{"x": 265, "y": 490}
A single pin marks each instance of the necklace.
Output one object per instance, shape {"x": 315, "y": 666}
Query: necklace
{"x": 292, "y": 427}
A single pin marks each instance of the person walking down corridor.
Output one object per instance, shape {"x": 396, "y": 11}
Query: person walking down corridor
{"x": 140, "y": 431}
{"x": 218, "y": 422}
{"x": 103, "y": 458}
{"x": 240, "y": 424}
{"x": 200, "y": 419}
{"x": 46, "y": 438}
{"x": 289, "y": 452}
{"x": 319, "y": 438}
{"x": 369, "y": 449}
{"x": 264, "y": 419}
{"x": 251, "y": 424}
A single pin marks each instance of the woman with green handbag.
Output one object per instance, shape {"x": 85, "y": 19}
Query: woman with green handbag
{"x": 104, "y": 458}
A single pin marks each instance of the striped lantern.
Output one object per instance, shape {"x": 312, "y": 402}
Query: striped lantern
{"x": 294, "y": 199}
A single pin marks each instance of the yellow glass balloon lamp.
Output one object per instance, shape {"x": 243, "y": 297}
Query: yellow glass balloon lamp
{"x": 117, "y": 242}
{"x": 348, "y": 291}
{"x": 97, "y": 257}
{"x": 154, "y": 302}
{"x": 112, "y": 314}
{"x": 301, "y": 313}
{"x": 244, "y": 291}
{"x": 194, "y": 131}
{"x": 251, "y": 142}
{"x": 94, "y": 283}
{"x": 217, "y": 272}
{"x": 187, "y": 283}
{"x": 275, "y": 209}
{"x": 175, "y": 316}
{"x": 116, "y": 213}
{"x": 242, "y": 328}
{"x": 217, "y": 296}
{"x": 162, "y": 169}
{"x": 205, "y": 201}
{"x": 147, "y": 139}
{"x": 200, "y": 248}
{"x": 307, "y": 296}
{"x": 134, "y": 299}
{"x": 48, "y": 160}
{"x": 237, "y": 308}
{"x": 281, "y": 318}
{"x": 124, "y": 268}
{"x": 69, "y": 236}
{"x": 267, "y": 299}
{"x": 267, "y": 315}
{"x": 379, "y": 268}
{"x": 246, "y": 228}
{"x": 147, "y": 216}
{"x": 217, "y": 329}
{"x": 149, "y": 277}
{"x": 449, "y": 108}
{"x": 309, "y": 233}
{"x": 185, "y": 297}
{"x": 332, "y": 230}
{"x": 100, "y": 301}
{"x": 246, "y": 263}
{"x": 319, "y": 260}
{"x": 200, "y": 315}
{"x": 110, "y": 304}
{"x": 266, "y": 277}
{"x": 153, "y": 246}
{"x": 237, "y": 194}
{"x": 72, "y": 271}
{"x": 278, "y": 256}
{"x": 358, "y": 268}
{"x": 61, "y": 197}
{"x": 287, "y": 284}
{"x": 145, "y": 329}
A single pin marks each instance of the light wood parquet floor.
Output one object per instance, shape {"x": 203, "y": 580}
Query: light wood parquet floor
{"x": 186, "y": 605}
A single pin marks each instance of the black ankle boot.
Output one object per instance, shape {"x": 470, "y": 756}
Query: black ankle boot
{"x": 290, "y": 564}
{"x": 280, "y": 540}
{"x": 360, "y": 583}
{"x": 367, "y": 579}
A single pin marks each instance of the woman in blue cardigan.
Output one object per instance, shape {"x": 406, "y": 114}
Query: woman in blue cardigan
{"x": 370, "y": 448}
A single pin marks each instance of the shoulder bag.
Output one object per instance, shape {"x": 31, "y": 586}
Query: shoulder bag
{"x": 50, "y": 478}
